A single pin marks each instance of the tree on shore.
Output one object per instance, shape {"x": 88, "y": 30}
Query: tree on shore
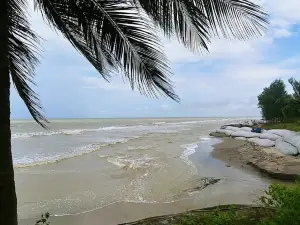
{"x": 115, "y": 36}
{"x": 272, "y": 101}
{"x": 277, "y": 105}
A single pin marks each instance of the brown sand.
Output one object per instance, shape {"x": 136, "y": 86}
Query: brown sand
{"x": 246, "y": 156}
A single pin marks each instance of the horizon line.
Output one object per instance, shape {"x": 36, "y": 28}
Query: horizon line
{"x": 155, "y": 117}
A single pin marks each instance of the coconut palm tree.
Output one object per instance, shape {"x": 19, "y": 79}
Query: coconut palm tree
{"x": 115, "y": 36}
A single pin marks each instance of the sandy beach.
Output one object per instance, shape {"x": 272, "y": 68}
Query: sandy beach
{"x": 262, "y": 161}
{"x": 237, "y": 183}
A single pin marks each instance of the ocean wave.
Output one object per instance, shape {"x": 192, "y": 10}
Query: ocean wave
{"x": 143, "y": 162}
{"x": 47, "y": 133}
{"x": 33, "y": 134}
{"x": 139, "y": 147}
{"x": 160, "y": 127}
{"x": 72, "y": 132}
{"x": 158, "y": 123}
{"x": 189, "y": 149}
{"x": 205, "y": 139}
{"x": 39, "y": 159}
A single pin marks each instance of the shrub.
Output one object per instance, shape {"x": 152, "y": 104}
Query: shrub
{"x": 286, "y": 202}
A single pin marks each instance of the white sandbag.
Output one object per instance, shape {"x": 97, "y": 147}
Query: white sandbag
{"x": 281, "y": 132}
{"x": 286, "y": 148}
{"x": 245, "y": 134}
{"x": 293, "y": 140}
{"x": 224, "y": 131}
{"x": 246, "y": 128}
{"x": 241, "y": 138}
{"x": 262, "y": 142}
{"x": 270, "y": 136}
{"x": 232, "y": 128}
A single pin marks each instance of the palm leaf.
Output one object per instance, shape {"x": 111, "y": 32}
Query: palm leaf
{"x": 182, "y": 18}
{"x": 116, "y": 30}
{"x": 22, "y": 48}
{"x": 239, "y": 19}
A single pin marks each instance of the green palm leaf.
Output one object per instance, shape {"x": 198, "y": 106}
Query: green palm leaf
{"x": 22, "y": 48}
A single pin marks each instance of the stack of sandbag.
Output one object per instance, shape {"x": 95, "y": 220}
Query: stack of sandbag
{"x": 288, "y": 142}
{"x": 246, "y": 128}
{"x": 262, "y": 142}
{"x": 224, "y": 131}
{"x": 228, "y": 130}
{"x": 241, "y": 138}
{"x": 270, "y": 136}
{"x": 245, "y": 134}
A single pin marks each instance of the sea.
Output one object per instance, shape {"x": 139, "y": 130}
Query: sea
{"x": 82, "y": 165}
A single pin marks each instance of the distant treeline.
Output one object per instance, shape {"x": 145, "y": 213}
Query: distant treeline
{"x": 277, "y": 105}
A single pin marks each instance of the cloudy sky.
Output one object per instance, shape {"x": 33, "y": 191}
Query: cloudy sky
{"x": 224, "y": 82}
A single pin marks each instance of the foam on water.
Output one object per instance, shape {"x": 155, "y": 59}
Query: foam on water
{"x": 159, "y": 123}
{"x": 132, "y": 163}
{"x": 154, "y": 127}
{"x": 205, "y": 139}
{"x": 139, "y": 147}
{"x": 39, "y": 159}
{"x": 189, "y": 149}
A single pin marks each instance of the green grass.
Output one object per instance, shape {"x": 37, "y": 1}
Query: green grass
{"x": 229, "y": 217}
{"x": 294, "y": 126}
{"x": 283, "y": 200}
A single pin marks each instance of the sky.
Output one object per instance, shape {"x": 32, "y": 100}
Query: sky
{"x": 224, "y": 82}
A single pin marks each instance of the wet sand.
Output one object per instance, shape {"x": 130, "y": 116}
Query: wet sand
{"x": 255, "y": 159}
{"x": 239, "y": 184}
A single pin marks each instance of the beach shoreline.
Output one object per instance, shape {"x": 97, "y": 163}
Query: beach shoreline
{"x": 227, "y": 191}
{"x": 251, "y": 158}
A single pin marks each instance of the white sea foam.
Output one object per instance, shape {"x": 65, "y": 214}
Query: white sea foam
{"x": 33, "y": 134}
{"x": 40, "y": 159}
{"x": 72, "y": 132}
{"x": 139, "y": 147}
{"x": 161, "y": 127}
{"x": 189, "y": 149}
{"x": 132, "y": 163}
{"x": 159, "y": 123}
{"x": 205, "y": 139}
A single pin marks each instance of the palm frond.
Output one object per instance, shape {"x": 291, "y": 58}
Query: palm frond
{"x": 182, "y": 18}
{"x": 117, "y": 30}
{"x": 22, "y": 47}
{"x": 239, "y": 19}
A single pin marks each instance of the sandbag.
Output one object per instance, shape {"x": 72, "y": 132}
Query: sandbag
{"x": 293, "y": 140}
{"x": 240, "y": 138}
{"x": 270, "y": 136}
{"x": 232, "y": 128}
{"x": 246, "y": 128}
{"x": 224, "y": 131}
{"x": 245, "y": 134}
{"x": 285, "y": 148}
{"x": 281, "y": 132}
{"x": 262, "y": 142}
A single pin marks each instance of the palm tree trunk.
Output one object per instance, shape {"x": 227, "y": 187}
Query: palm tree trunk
{"x": 8, "y": 199}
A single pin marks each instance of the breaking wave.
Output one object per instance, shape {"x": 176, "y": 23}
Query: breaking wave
{"x": 126, "y": 163}
{"x": 40, "y": 159}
